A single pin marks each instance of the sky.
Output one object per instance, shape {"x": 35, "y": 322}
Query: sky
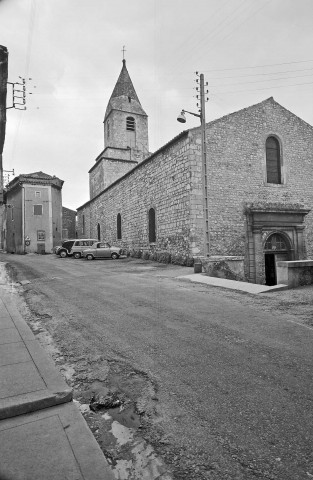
{"x": 70, "y": 53}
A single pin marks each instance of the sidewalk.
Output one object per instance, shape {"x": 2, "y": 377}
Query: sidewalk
{"x": 252, "y": 288}
{"x": 43, "y": 435}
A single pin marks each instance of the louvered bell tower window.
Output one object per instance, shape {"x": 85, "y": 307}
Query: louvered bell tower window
{"x": 130, "y": 124}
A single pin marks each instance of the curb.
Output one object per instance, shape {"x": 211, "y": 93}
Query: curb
{"x": 29, "y": 380}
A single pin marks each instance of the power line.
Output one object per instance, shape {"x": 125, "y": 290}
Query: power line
{"x": 264, "y": 88}
{"x": 258, "y": 66}
{"x": 264, "y": 80}
{"x": 262, "y": 73}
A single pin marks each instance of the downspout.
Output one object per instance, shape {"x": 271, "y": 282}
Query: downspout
{"x": 23, "y": 219}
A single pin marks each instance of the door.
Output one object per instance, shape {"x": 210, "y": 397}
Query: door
{"x": 103, "y": 250}
{"x": 270, "y": 269}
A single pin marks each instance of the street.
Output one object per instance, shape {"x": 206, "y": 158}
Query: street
{"x": 214, "y": 384}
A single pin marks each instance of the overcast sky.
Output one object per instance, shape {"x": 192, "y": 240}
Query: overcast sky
{"x": 248, "y": 50}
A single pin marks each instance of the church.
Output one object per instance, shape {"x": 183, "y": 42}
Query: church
{"x": 259, "y": 189}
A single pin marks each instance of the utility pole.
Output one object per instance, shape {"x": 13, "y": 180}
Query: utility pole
{"x": 204, "y": 168}
{"x": 182, "y": 119}
{"x": 3, "y": 99}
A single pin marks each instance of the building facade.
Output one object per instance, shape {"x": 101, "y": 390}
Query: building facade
{"x": 68, "y": 223}
{"x": 260, "y": 195}
{"x": 33, "y": 213}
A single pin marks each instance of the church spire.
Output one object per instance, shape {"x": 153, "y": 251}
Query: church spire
{"x": 124, "y": 86}
{"x": 124, "y": 96}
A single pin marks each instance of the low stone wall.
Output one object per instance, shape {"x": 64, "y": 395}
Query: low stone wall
{"x": 295, "y": 273}
{"x": 229, "y": 267}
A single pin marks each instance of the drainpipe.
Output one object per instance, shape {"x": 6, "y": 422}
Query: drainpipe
{"x": 23, "y": 218}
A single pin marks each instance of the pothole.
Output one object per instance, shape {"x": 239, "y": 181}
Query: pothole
{"x": 118, "y": 426}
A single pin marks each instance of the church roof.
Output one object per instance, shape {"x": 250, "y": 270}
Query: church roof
{"x": 124, "y": 96}
{"x": 124, "y": 85}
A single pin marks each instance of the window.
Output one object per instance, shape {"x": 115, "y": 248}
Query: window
{"x": 152, "y": 229}
{"x": 37, "y": 209}
{"x": 83, "y": 224}
{"x": 41, "y": 236}
{"x": 276, "y": 242}
{"x": 108, "y": 129}
{"x": 273, "y": 164}
{"x": 130, "y": 124}
{"x": 119, "y": 226}
{"x": 99, "y": 231}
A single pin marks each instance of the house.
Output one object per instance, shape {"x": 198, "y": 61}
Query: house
{"x": 259, "y": 198}
{"x": 33, "y": 213}
{"x": 68, "y": 223}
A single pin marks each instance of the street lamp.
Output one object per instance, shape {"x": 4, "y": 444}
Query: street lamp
{"x": 182, "y": 119}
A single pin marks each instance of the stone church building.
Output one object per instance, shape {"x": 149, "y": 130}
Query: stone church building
{"x": 260, "y": 189}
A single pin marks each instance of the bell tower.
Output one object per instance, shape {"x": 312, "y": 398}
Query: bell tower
{"x": 125, "y": 135}
{"x": 125, "y": 121}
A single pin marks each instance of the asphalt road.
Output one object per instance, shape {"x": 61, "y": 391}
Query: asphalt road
{"x": 221, "y": 381}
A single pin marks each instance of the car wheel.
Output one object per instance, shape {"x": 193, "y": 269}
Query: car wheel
{"x": 89, "y": 257}
{"x": 63, "y": 254}
{"x": 114, "y": 256}
{"x": 77, "y": 255}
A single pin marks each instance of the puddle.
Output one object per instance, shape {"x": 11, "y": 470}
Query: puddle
{"x": 127, "y": 416}
{"x": 83, "y": 407}
{"x": 144, "y": 464}
{"x": 122, "y": 434}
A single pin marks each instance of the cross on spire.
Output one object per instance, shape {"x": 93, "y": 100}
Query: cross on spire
{"x": 123, "y": 50}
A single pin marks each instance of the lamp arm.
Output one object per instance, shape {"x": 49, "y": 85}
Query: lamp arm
{"x": 191, "y": 113}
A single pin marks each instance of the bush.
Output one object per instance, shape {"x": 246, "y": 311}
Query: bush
{"x": 190, "y": 261}
{"x": 164, "y": 257}
{"x": 153, "y": 257}
{"x": 146, "y": 255}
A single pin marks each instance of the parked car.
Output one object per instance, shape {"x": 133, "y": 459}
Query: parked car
{"x": 74, "y": 247}
{"x": 102, "y": 250}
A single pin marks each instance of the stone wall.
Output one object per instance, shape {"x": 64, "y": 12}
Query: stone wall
{"x": 163, "y": 182}
{"x": 295, "y": 274}
{"x": 105, "y": 172}
{"x": 237, "y": 171}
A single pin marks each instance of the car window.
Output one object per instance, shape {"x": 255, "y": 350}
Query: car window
{"x": 77, "y": 243}
{"x": 68, "y": 245}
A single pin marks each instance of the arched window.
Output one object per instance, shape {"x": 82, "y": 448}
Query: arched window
{"x": 119, "y": 226}
{"x": 130, "y": 124}
{"x": 99, "y": 232}
{"x": 273, "y": 163}
{"x": 152, "y": 226}
{"x": 276, "y": 242}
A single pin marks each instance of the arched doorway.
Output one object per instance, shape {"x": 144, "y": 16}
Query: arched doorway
{"x": 99, "y": 232}
{"x": 276, "y": 248}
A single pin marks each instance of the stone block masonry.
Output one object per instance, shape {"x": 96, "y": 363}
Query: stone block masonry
{"x": 170, "y": 182}
{"x": 163, "y": 182}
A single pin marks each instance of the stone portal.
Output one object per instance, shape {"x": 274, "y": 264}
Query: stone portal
{"x": 275, "y": 232}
